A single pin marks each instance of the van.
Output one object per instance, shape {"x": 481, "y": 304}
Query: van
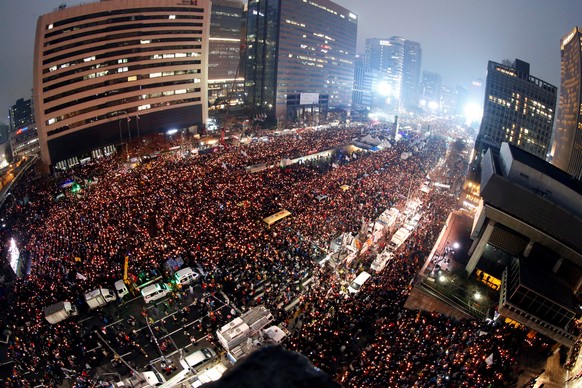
{"x": 121, "y": 289}
{"x": 186, "y": 276}
{"x": 198, "y": 359}
{"x": 358, "y": 282}
{"x": 381, "y": 260}
{"x": 154, "y": 292}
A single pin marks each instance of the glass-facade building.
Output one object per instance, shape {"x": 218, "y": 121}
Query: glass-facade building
{"x": 23, "y": 134}
{"x": 108, "y": 71}
{"x": 400, "y": 59}
{"x": 21, "y": 114}
{"x": 295, "y": 47}
{"x": 519, "y": 109}
{"x": 225, "y": 81}
{"x": 567, "y": 147}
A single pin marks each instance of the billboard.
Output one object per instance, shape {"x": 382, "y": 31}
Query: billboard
{"x": 308, "y": 98}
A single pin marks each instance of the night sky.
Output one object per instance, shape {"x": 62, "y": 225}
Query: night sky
{"x": 458, "y": 37}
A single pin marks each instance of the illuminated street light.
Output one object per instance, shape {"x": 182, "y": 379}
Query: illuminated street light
{"x": 456, "y": 245}
{"x": 384, "y": 88}
{"x": 477, "y": 295}
{"x": 442, "y": 278}
{"x": 473, "y": 112}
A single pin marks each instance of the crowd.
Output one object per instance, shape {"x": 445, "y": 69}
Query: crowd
{"x": 208, "y": 210}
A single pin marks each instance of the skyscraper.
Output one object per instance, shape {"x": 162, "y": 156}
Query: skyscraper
{"x": 411, "y": 75}
{"x": 299, "y": 47}
{"x": 23, "y": 134}
{"x": 401, "y": 60}
{"x": 567, "y": 147}
{"x": 112, "y": 70}
{"x": 224, "y": 50}
{"x": 21, "y": 114}
{"x": 519, "y": 109}
{"x": 431, "y": 89}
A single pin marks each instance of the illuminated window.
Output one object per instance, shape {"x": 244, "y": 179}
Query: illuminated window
{"x": 145, "y": 41}
{"x": 155, "y": 75}
{"x": 51, "y": 121}
{"x": 50, "y": 27}
{"x": 132, "y": 78}
{"x": 172, "y": 17}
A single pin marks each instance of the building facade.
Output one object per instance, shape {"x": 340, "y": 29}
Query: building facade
{"x": 431, "y": 90}
{"x": 411, "y": 75}
{"x": 23, "y": 133}
{"x": 400, "y": 59}
{"x": 109, "y": 71}
{"x": 567, "y": 147}
{"x": 526, "y": 234}
{"x": 298, "y": 47}
{"x": 368, "y": 88}
{"x": 225, "y": 78}
{"x": 21, "y": 114}
{"x": 519, "y": 109}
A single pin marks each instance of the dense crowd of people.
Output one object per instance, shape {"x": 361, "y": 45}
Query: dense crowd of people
{"x": 209, "y": 210}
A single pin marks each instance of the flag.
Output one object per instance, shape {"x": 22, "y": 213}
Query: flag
{"x": 334, "y": 165}
{"x": 80, "y": 276}
{"x": 137, "y": 117}
{"x": 489, "y": 360}
{"x": 224, "y": 165}
{"x": 244, "y": 153}
{"x": 128, "y": 119}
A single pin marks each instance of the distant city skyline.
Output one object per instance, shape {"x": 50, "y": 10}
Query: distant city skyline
{"x": 458, "y": 39}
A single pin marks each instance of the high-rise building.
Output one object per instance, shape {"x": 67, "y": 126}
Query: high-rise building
{"x": 519, "y": 109}
{"x": 401, "y": 60}
{"x": 567, "y": 147}
{"x": 526, "y": 237}
{"x": 108, "y": 71}
{"x": 225, "y": 80}
{"x": 23, "y": 134}
{"x": 369, "y": 87}
{"x": 431, "y": 89}
{"x": 21, "y": 114}
{"x": 304, "y": 48}
{"x": 411, "y": 75}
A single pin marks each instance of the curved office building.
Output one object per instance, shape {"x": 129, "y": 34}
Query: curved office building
{"x": 109, "y": 71}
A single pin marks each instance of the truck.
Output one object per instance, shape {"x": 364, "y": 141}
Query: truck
{"x": 381, "y": 260}
{"x": 389, "y": 217}
{"x": 241, "y": 328}
{"x": 59, "y": 312}
{"x": 398, "y": 238}
{"x": 99, "y": 297}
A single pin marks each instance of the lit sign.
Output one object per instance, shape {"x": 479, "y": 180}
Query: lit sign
{"x": 21, "y": 130}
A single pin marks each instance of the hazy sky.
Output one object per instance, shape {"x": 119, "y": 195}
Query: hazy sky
{"x": 458, "y": 37}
